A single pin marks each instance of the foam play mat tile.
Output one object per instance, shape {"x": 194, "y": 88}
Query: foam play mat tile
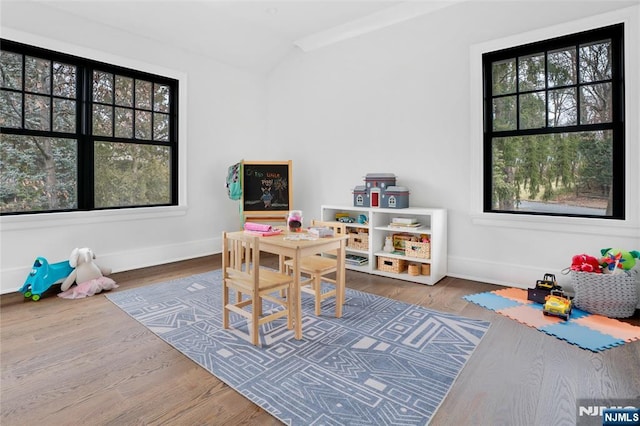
{"x": 584, "y": 330}
{"x": 517, "y": 294}
{"x": 621, "y": 330}
{"x": 582, "y": 336}
{"x": 492, "y": 301}
{"x": 529, "y": 315}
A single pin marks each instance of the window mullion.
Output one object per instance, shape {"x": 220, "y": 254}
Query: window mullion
{"x": 23, "y": 107}
{"x": 85, "y": 142}
{"x": 134, "y": 108}
{"x": 546, "y": 88}
{"x": 113, "y": 105}
{"x": 578, "y": 85}
{"x": 153, "y": 87}
{"x": 517, "y": 60}
{"x": 51, "y": 127}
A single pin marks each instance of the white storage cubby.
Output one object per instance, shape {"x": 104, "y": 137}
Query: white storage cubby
{"x": 433, "y": 222}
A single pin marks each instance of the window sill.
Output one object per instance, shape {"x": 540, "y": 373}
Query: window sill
{"x": 568, "y": 225}
{"x": 47, "y": 220}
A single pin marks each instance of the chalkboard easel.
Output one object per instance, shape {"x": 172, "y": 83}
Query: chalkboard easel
{"x": 267, "y": 191}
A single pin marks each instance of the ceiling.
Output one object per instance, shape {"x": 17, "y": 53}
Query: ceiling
{"x": 253, "y": 35}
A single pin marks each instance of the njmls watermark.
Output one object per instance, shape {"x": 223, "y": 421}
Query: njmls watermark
{"x": 608, "y": 412}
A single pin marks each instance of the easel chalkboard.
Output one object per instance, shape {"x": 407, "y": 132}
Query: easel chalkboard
{"x": 267, "y": 192}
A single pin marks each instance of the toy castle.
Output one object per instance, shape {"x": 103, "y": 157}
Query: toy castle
{"x": 380, "y": 190}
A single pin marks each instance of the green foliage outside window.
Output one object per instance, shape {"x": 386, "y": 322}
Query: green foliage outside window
{"x": 37, "y": 174}
{"x": 131, "y": 174}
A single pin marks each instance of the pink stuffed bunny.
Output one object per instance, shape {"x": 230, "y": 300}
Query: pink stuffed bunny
{"x": 87, "y": 274}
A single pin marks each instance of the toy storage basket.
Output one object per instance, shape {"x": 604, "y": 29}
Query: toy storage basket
{"x": 611, "y": 295}
{"x": 416, "y": 249}
{"x": 389, "y": 264}
{"x": 358, "y": 241}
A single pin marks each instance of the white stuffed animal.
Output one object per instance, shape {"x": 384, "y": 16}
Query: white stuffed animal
{"x": 87, "y": 274}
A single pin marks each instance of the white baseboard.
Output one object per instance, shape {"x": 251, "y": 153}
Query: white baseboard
{"x": 13, "y": 278}
{"x": 508, "y": 275}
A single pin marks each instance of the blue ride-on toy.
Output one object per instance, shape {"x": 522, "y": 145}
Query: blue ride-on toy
{"x": 42, "y": 276}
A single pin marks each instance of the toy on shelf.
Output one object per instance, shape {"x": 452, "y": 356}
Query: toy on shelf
{"x": 345, "y": 219}
{"x": 388, "y": 244}
{"x": 42, "y": 276}
{"x": 380, "y": 190}
{"x": 557, "y": 304}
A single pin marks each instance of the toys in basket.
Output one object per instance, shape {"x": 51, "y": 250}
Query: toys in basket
{"x": 611, "y": 287}
{"x": 585, "y": 263}
{"x": 615, "y": 260}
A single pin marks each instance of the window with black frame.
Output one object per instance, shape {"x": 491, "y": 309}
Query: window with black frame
{"x": 554, "y": 126}
{"x": 83, "y": 135}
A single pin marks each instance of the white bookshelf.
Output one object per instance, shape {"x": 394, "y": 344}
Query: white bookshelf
{"x": 433, "y": 222}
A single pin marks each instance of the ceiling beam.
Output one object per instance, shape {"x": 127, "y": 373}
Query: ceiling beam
{"x": 378, "y": 20}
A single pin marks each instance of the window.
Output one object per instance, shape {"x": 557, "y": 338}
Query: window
{"x": 83, "y": 135}
{"x": 554, "y": 126}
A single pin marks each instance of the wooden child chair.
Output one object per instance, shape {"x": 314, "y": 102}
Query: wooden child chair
{"x": 242, "y": 273}
{"x": 316, "y": 268}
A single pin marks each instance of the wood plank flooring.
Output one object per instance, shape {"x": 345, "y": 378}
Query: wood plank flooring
{"x": 69, "y": 362}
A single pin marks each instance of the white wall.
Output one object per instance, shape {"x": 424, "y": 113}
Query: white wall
{"x": 397, "y": 100}
{"x": 405, "y": 100}
{"x": 223, "y": 119}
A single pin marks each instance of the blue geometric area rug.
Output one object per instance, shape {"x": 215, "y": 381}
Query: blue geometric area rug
{"x": 384, "y": 362}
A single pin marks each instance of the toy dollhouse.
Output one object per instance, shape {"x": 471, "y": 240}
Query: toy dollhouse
{"x": 380, "y": 190}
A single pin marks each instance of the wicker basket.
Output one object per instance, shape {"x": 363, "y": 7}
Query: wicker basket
{"x": 416, "y": 249}
{"x": 611, "y": 295}
{"x": 359, "y": 241}
{"x": 391, "y": 264}
{"x": 413, "y": 269}
{"x": 426, "y": 269}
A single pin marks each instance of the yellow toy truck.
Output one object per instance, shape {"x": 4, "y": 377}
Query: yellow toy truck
{"x": 557, "y": 304}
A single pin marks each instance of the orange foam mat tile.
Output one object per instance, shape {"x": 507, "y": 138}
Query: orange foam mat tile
{"x": 610, "y": 326}
{"x": 517, "y": 294}
{"x": 530, "y": 316}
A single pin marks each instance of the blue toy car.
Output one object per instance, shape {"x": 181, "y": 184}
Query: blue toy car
{"x": 346, "y": 219}
{"x": 42, "y": 276}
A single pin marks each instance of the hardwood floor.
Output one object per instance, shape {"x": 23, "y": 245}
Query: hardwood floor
{"x": 68, "y": 362}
